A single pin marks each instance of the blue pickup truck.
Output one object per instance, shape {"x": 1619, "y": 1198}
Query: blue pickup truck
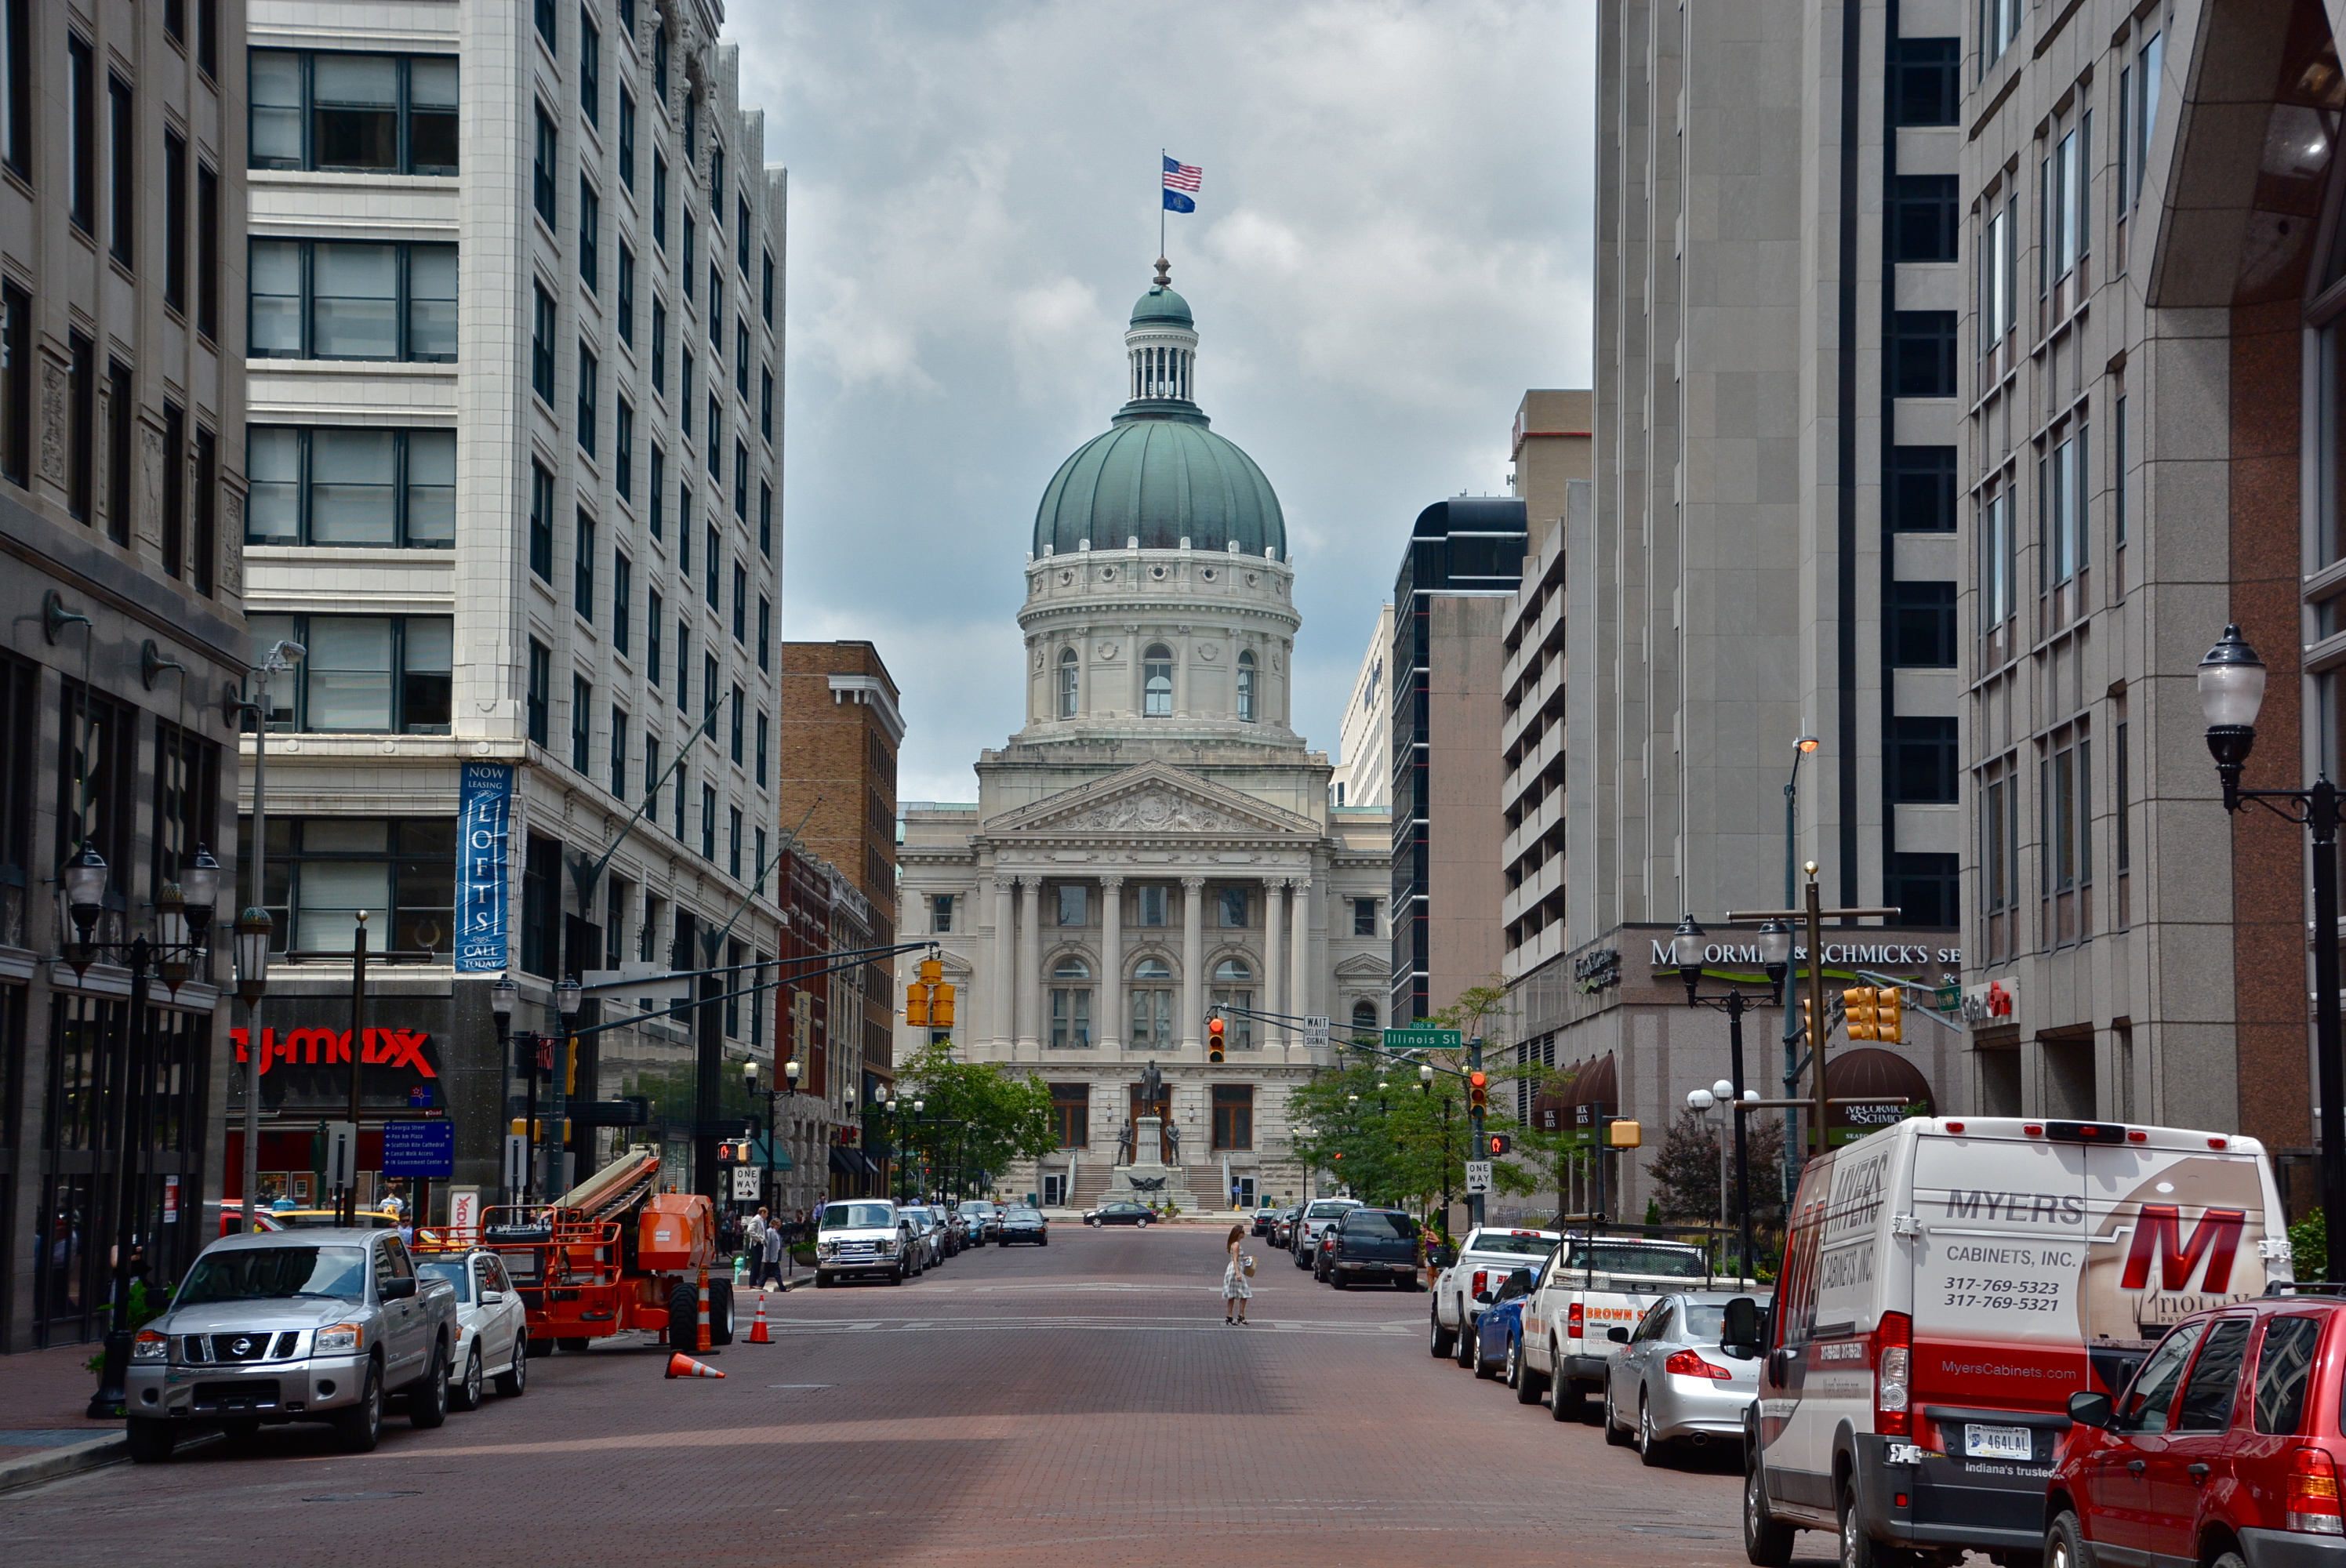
{"x": 1372, "y": 1244}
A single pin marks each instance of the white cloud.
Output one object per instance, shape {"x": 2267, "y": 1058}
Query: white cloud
{"x": 1392, "y": 242}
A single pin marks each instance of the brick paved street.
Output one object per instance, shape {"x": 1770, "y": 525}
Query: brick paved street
{"x": 1079, "y": 1404}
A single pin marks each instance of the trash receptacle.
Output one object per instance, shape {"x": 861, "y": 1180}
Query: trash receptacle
{"x": 1030, "y": 1201}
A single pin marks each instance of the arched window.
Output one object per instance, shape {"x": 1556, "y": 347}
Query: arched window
{"x": 1071, "y": 1004}
{"x": 1152, "y": 1004}
{"x": 1068, "y": 684}
{"x": 1246, "y": 688}
{"x": 1234, "y": 989}
{"x": 1156, "y": 682}
{"x": 1364, "y": 1018}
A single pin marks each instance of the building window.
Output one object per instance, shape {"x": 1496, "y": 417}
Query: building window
{"x": 709, "y": 696}
{"x": 175, "y": 221}
{"x": 708, "y": 823}
{"x": 1152, "y": 1005}
{"x": 716, "y": 186}
{"x": 652, "y": 635}
{"x": 541, "y": 689}
{"x": 1246, "y": 688}
{"x": 1999, "y": 26}
{"x": 81, "y": 115}
{"x": 582, "y": 580}
{"x": 762, "y": 746}
{"x": 582, "y": 723}
{"x": 1071, "y": 1004}
{"x": 1156, "y": 682}
{"x": 1234, "y": 989}
{"x": 589, "y": 373}
{"x": 2137, "y": 115}
{"x": 122, "y": 136}
{"x": 17, "y": 85}
{"x": 692, "y": 233}
{"x": 683, "y": 396}
{"x": 626, "y": 314}
{"x": 205, "y": 549}
{"x": 2067, "y": 780}
{"x": 1921, "y": 763}
{"x": 717, "y": 448}
{"x": 364, "y": 675}
{"x": 541, "y": 181}
{"x": 1070, "y": 683}
{"x": 541, "y": 523}
{"x": 1924, "y": 889}
{"x": 350, "y": 485}
{"x": 766, "y": 404}
{"x": 627, "y": 137}
{"x": 544, "y": 9}
{"x": 2061, "y": 478}
{"x": 620, "y": 752}
{"x": 660, "y": 201}
{"x": 336, "y": 300}
{"x": 1364, "y": 919}
{"x": 767, "y": 287}
{"x": 1922, "y": 630}
{"x": 1924, "y": 86}
{"x": 740, "y": 723}
{"x": 207, "y": 267}
{"x": 1995, "y": 558}
{"x": 1922, "y": 354}
{"x": 660, "y": 344}
{"x": 659, "y": 63}
{"x": 1923, "y": 217}
{"x": 322, "y": 871}
{"x": 765, "y": 520}
{"x": 740, "y": 603}
{"x": 1922, "y": 498}
{"x": 1365, "y": 1013}
{"x": 541, "y": 345}
{"x": 651, "y": 777}
{"x": 623, "y": 574}
{"x": 1071, "y": 1112}
{"x": 741, "y": 356}
{"x": 1999, "y": 261}
{"x": 1233, "y": 1115}
{"x": 742, "y": 236}
{"x": 623, "y": 450}
{"x": 387, "y": 114}
{"x": 683, "y": 664}
{"x": 2066, "y": 186}
{"x": 733, "y": 843}
{"x": 590, "y": 68}
{"x": 683, "y": 792}
{"x": 1075, "y": 904}
{"x": 765, "y": 632}
{"x": 590, "y": 230}
{"x": 940, "y": 908}
{"x": 716, "y": 315}
{"x": 1232, "y": 908}
{"x": 16, "y": 385}
{"x": 1150, "y": 901}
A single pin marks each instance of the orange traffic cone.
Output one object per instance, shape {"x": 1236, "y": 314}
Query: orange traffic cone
{"x": 757, "y": 1335}
{"x": 680, "y": 1365}
{"x": 700, "y": 1334}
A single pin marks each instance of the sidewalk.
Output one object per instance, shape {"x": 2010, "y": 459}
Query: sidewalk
{"x": 44, "y": 1431}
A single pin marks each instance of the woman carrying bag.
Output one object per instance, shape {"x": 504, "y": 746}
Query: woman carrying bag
{"x": 1236, "y": 1291}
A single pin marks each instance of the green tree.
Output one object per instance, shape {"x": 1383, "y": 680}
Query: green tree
{"x": 987, "y": 1114}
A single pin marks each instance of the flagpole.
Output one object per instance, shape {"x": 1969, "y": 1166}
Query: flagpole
{"x": 1160, "y": 201}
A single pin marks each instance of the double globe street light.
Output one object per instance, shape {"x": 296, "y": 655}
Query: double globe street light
{"x": 2231, "y": 694}
{"x": 1689, "y": 948}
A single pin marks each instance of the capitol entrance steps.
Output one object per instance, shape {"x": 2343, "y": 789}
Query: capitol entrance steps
{"x": 1091, "y": 1185}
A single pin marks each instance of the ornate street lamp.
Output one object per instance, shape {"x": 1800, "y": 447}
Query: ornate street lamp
{"x": 253, "y": 930}
{"x": 503, "y": 994}
{"x": 1688, "y": 944}
{"x": 174, "y": 963}
{"x": 82, "y": 882}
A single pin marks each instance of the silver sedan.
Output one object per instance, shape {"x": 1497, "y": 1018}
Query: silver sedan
{"x": 1671, "y": 1381}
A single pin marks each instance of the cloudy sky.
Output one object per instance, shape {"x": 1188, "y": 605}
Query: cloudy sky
{"x": 1391, "y": 243}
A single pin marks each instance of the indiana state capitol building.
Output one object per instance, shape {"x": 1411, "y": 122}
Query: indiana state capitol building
{"x": 1158, "y": 839}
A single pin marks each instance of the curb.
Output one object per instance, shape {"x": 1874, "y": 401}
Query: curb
{"x": 59, "y": 1462}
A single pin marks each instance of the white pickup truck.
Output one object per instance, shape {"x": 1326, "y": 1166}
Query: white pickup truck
{"x": 1591, "y": 1285}
{"x": 1490, "y": 1254}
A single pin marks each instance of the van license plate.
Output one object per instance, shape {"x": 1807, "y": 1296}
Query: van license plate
{"x": 1999, "y": 1442}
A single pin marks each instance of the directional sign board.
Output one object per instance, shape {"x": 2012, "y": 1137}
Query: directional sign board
{"x": 1424, "y": 1040}
{"x": 746, "y": 1182}
{"x": 1478, "y": 1177}
{"x": 419, "y": 1149}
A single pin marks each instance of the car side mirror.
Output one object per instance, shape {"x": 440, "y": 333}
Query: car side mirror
{"x": 394, "y": 1290}
{"x": 2092, "y": 1408}
{"x": 1617, "y": 1334}
{"x": 1739, "y": 1326}
{"x": 1483, "y": 1297}
{"x": 492, "y": 1298}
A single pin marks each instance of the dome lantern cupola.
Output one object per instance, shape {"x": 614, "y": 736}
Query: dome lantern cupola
{"x": 1160, "y": 345}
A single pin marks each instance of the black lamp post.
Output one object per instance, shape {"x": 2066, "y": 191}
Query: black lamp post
{"x": 254, "y": 933}
{"x": 1688, "y": 945}
{"x": 2231, "y": 692}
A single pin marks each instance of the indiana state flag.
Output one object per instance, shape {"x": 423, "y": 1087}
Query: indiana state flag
{"x": 1181, "y": 181}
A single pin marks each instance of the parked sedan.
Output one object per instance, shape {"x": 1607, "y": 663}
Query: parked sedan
{"x": 1499, "y": 1337}
{"x": 1265, "y": 1220}
{"x": 493, "y": 1326}
{"x": 1672, "y": 1381}
{"x": 1137, "y": 1214}
{"x": 983, "y": 1219}
{"x": 1283, "y": 1227}
{"x": 928, "y": 1248}
{"x": 1021, "y": 1224}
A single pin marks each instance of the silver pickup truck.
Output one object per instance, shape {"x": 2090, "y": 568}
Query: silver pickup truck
{"x": 293, "y": 1325}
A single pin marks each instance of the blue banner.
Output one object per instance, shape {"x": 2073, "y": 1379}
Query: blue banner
{"x": 483, "y": 823}
{"x": 419, "y": 1149}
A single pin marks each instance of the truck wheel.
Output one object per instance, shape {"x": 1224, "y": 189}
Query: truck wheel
{"x": 465, "y": 1394}
{"x": 822, "y": 1281}
{"x": 1337, "y": 1281}
{"x": 151, "y": 1441}
{"x": 1859, "y": 1550}
{"x": 360, "y": 1428}
{"x": 1767, "y": 1544}
{"x": 1565, "y": 1402}
{"x": 540, "y": 1348}
{"x": 721, "y": 1313}
{"x": 1467, "y": 1335}
{"x": 514, "y": 1382}
{"x": 683, "y": 1311}
{"x": 1438, "y": 1343}
{"x": 1529, "y": 1383}
{"x": 427, "y": 1402}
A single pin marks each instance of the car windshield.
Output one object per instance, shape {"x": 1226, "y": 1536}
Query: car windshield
{"x": 1329, "y": 1210}
{"x": 857, "y": 1216}
{"x": 1377, "y": 1223}
{"x": 276, "y": 1274}
{"x": 455, "y": 1273}
{"x": 1512, "y": 1245}
{"x": 1634, "y": 1257}
{"x": 1022, "y": 1214}
{"x": 980, "y": 1209}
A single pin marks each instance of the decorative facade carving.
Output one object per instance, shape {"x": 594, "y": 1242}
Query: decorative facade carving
{"x": 1154, "y": 812}
{"x": 52, "y": 421}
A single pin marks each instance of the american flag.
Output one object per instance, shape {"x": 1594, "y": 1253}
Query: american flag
{"x": 1182, "y": 176}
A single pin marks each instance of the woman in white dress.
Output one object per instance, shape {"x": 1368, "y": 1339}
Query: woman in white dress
{"x": 1236, "y": 1291}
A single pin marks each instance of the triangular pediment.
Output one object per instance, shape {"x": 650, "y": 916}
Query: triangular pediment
{"x": 1363, "y": 966}
{"x": 1153, "y": 800}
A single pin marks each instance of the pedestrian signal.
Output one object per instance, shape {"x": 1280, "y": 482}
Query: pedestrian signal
{"x": 1478, "y": 1091}
{"x": 733, "y": 1152}
{"x": 1500, "y": 1142}
{"x": 1215, "y": 1031}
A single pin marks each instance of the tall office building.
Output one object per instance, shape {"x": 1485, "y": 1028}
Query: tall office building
{"x": 2152, "y": 377}
{"x": 516, "y": 279}
{"x": 121, "y": 444}
{"x": 1363, "y": 771}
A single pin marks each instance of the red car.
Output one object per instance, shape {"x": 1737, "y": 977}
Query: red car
{"x": 2225, "y": 1449}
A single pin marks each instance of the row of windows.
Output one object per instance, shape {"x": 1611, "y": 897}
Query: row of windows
{"x": 1071, "y": 1110}
{"x": 363, "y": 674}
{"x": 393, "y": 114}
{"x": 583, "y": 599}
{"x": 1157, "y": 683}
{"x": 1147, "y": 905}
{"x": 352, "y": 300}
{"x": 738, "y": 744}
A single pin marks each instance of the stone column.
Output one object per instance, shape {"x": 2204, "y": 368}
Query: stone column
{"x": 1299, "y": 955}
{"x": 1107, "y": 1027}
{"x": 1031, "y": 1024}
{"x": 1193, "y": 962}
{"x": 1002, "y": 1003}
{"x": 1272, "y": 915}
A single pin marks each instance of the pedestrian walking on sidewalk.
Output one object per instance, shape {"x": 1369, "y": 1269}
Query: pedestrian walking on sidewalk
{"x": 1236, "y": 1291}
{"x": 774, "y": 1242}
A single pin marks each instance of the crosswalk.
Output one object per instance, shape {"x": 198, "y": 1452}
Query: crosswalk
{"x": 1028, "y": 1322}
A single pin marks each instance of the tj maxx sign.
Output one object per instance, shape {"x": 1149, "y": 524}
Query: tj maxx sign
{"x": 327, "y": 1047}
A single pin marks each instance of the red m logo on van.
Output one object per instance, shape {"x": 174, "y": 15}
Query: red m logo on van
{"x": 2161, "y": 1229}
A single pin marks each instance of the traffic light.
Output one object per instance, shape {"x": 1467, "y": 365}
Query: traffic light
{"x": 1215, "y": 1031}
{"x": 1500, "y": 1144}
{"x": 916, "y": 1005}
{"x": 1857, "y": 1006}
{"x": 1808, "y": 1017}
{"x": 1889, "y": 1013}
{"x": 1478, "y": 1091}
{"x": 929, "y": 1001}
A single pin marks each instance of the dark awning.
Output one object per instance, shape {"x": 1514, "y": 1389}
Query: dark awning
{"x": 843, "y": 1161}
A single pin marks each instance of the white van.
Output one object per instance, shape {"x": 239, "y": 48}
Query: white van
{"x": 1947, "y": 1284}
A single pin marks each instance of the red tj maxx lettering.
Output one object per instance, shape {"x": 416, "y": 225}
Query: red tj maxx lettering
{"x": 325, "y": 1047}
{"x": 2160, "y": 1228}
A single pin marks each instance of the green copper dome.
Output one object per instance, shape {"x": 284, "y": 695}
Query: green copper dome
{"x": 1159, "y": 474}
{"x": 1161, "y": 305}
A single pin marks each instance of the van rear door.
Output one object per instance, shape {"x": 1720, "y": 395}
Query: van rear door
{"x": 2177, "y": 1222}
